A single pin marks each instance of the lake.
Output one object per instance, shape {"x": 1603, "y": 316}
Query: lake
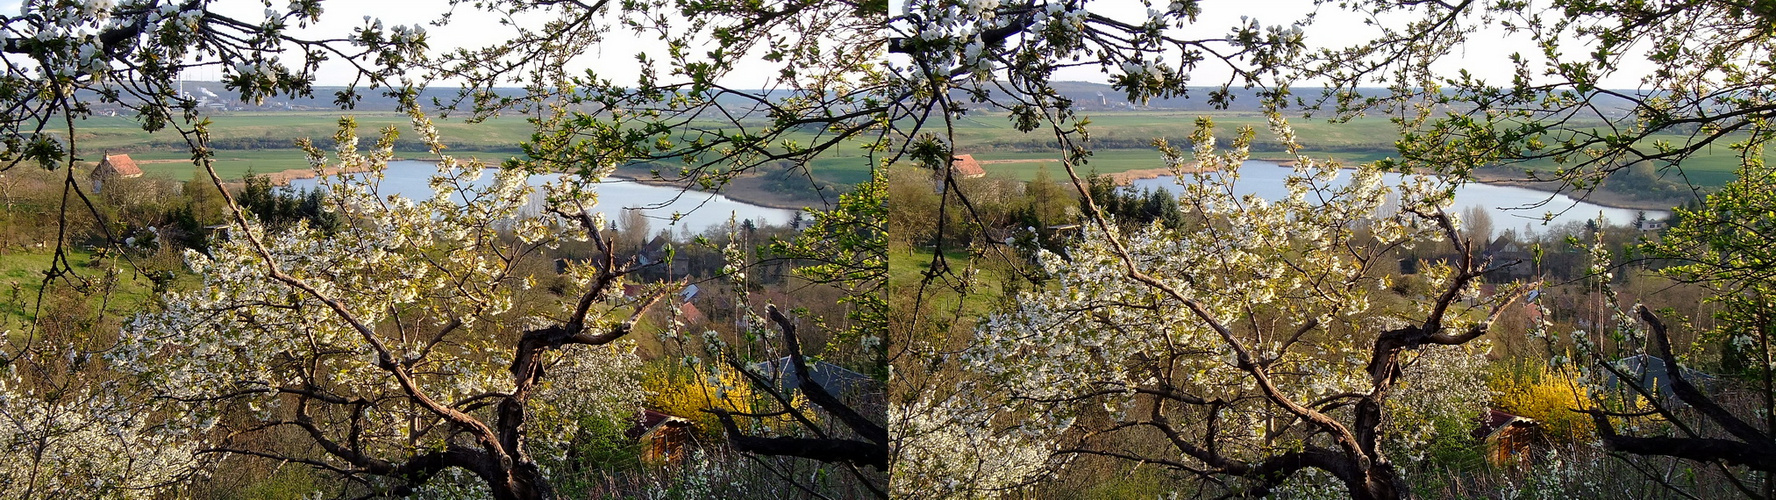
{"x": 701, "y": 210}
{"x": 1511, "y": 207}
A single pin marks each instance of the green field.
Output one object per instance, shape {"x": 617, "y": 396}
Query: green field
{"x": 264, "y": 142}
{"x": 906, "y": 269}
{"x": 230, "y": 164}
{"x": 280, "y": 130}
{"x": 21, "y": 278}
{"x": 1121, "y": 141}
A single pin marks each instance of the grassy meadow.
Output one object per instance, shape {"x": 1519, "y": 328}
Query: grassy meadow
{"x": 1123, "y": 142}
{"x": 264, "y": 142}
{"x": 21, "y": 281}
{"x": 907, "y": 267}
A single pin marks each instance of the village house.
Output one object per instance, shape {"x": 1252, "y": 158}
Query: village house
{"x": 964, "y": 167}
{"x": 967, "y": 167}
{"x": 849, "y": 386}
{"x": 114, "y": 167}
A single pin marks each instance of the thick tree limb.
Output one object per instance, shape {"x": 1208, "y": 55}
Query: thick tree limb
{"x": 817, "y": 394}
{"x": 1688, "y": 393}
{"x": 823, "y": 449}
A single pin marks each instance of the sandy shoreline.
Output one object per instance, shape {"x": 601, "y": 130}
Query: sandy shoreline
{"x": 1125, "y": 177}
{"x": 283, "y": 178}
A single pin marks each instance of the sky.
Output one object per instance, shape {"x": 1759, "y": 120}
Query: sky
{"x": 467, "y": 28}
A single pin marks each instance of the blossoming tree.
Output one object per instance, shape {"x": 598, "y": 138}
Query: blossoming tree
{"x": 425, "y": 292}
{"x": 1262, "y": 342}
{"x": 73, "y": 431}
{"x": 1246, "y": 349}
{"x": 397, "y": 346}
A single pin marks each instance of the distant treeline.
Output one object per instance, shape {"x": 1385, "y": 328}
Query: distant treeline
{"x": 1258, "y": 145}
{"x": 260, "y": 143}
{"x": 1090, "y": 95}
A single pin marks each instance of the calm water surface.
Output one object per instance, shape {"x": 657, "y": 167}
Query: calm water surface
{"x": 1511, "y": 207}
{"x": 701, "y": 210}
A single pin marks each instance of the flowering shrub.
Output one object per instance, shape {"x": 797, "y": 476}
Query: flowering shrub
{"x": 952, "y": 451}
{"x": 685, "y": 392}
{"x": 85, "y": 444}
{"x": 1548, "y": 396}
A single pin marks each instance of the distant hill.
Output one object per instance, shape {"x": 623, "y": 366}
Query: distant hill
{"x": 214, "y": 96}
{"x": 1089, "y": 96}
{"x": 1098, "y": 96}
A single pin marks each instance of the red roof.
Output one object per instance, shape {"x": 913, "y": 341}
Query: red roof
{"x": 690, "y": 313}
{"x": 966, "y": 166}
{"x": 1533, "y": 313}
{"x": 117, "y": 166}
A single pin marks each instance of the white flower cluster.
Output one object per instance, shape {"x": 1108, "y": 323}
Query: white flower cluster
{"x": 1137, "y": 68}
{"x": 90, "y": 443}
{"x": 261, "y": 70}
{"x": 1438, "y": 384}
{"x": 952, "y": 33}
{"x": 421, "y": 283}
{"x": 592, "y": 381}
{"x": 946, "y": 452}
{"x": 66, "y": 33}
{"x": 1250, "y": 273}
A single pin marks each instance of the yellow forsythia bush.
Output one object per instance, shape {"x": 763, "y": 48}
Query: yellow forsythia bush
{"x": 1547, "y": 396}
{"x": 682, "y": 391}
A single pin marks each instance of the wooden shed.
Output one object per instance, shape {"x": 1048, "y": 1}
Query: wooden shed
{"x": 664, "y": 438}
{"x": 1507, "y": 439}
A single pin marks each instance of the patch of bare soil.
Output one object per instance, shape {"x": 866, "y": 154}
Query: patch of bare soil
{"x": 1128, "y": 176}
{"x": 283, "y": 178}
